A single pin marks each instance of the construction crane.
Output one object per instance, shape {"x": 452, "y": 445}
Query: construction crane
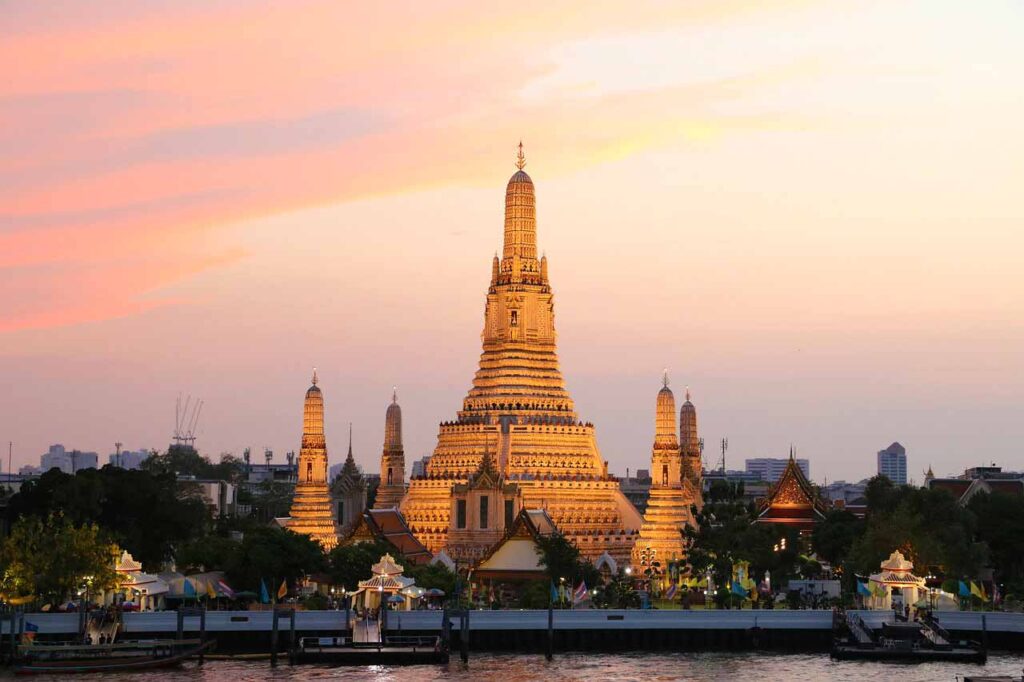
{"x": 186, "y": 419}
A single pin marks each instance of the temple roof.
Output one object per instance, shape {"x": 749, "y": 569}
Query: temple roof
{"x": 515, "y": 555}
{"x": 388, "y": 525}
{"x": 792, "y": 500}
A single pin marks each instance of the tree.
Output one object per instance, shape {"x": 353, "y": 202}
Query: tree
{"x": 436, "y": 576}
{"x": 54, "y": 558}
{"x": 273, "y": 555}
{"x": 834, "y": 536}
{"x": 348, "y": 564}
{"x": 1000, "y": 518}
{"x": 563, "y": 562}
{"x": 142, "y": 511}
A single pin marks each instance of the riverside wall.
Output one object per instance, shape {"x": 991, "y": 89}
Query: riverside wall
{"x": 583, "y": 630}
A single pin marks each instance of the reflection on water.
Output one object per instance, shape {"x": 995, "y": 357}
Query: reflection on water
{"x": 643, "y": 667}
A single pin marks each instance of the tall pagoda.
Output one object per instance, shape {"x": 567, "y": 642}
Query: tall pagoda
{"x": 311, "y": 512}
{"x": 672, "y": 490}
{"x": 519, "y": 410}
{"x": 793, "y": 500}
{"x": 392, "y": 459}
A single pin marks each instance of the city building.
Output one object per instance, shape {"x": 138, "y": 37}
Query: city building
{"x": 220, "y": 496}
{"x": 68, "y": 461}
{"x": 751, "y": 487}
{"x": 128, "y": 459}
{"x": 892, "y": 463}
{"x": 982, "y": 479}
{"x": 311, "y": 512}
{"x": 392, "y": 460}
{"x": 771, "y": 468}
{"x": 637, "y": 488}
{"x": 419, "y": 467}
{"x": 519, "y": 412}
{"x": 672, "y": 492}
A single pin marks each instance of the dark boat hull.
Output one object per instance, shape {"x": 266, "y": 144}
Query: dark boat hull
{"x": 849, "y": 653}
{"x": 70, "y": 666}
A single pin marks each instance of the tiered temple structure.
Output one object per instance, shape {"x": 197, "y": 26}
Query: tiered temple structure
{"x": 672, "y": 490}
{"x": 793, "y": 501}
{"x": 519, "y": 411}
{"x": 392, "y": 459}
{"x": 311, "y": 506}
{"x": 348, "y": 491}
{"x": 691, "y": 447}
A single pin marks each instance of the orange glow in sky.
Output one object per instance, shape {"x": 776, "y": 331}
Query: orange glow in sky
{"x": 811, "y": 213}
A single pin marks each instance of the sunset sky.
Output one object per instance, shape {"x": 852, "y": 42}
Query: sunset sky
{"x": 812, "y": 214}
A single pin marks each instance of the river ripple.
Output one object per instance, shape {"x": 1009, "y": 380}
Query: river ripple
{"x": 639, "y": 667}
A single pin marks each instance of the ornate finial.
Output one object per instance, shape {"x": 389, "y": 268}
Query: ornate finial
{"x": 521, "y": 158}
{"x": 394, "y": 394}
{"x": 314, "y": 376}
{"x": 687, "y": 394}
{"x": 792, "y": 452}
{"x": 350, "y": 439}
{"x": 664, "y": 377}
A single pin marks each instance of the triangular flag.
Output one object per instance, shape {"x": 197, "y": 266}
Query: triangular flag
{"x": 863, "y": 589}
{"x": 554, "y": 592}
{"x": 978, "y": 591}
{"x": 264, "y": 594}
{"x": 964, "y": 590}
{"x": 282, "y": 591}
{"x": 210, "y": 592}
{"x": 190, "y": 589}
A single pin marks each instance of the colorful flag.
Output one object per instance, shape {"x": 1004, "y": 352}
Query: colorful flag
{"x": 554, "y": 592}
{"x": 580, "y": 593}
{"x": 190, "y": 589}
{"x": 978, "y": 591}
{"x": 282, "y": 591}
{"x": 210, "y": 592}
{"x": 863, "y": 589}
{"x": 738, "y": 590}
{"x": 225, "y": 589}
{"x": 670, "y": 593}
{"x": 964, "y": 590}
{"x": 31, "y": 627}
{"x": 264, "y": 595}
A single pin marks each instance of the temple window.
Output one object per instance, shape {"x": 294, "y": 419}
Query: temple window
{"x": 509, "y": 513}
{"x": 515, "y": 318}
{"x": 664, "y": 474}
{"x": 390, "y": 476}
{"x": 484, "y": 508}
{"x": 460, "y": 514}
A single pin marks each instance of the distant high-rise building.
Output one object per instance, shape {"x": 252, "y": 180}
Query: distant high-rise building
{"x": 419, "y": 467}
{"x": 128, "y": 459}
{"x": 770, "y": 468}
{"x": 892, "y": 463}
{"x": 58, "y": 457}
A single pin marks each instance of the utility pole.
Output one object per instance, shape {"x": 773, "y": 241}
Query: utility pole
{"x": 117, "y": 455}
{"x": 725, "y": 446}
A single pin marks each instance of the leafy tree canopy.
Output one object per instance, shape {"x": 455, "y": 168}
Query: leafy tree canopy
{"x": 54, "y": 558}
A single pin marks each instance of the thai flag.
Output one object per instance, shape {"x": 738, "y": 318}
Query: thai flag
{"x": 670, "y": 593}
{"x": 225, "y": 589}
{"x": 580, "y": 593}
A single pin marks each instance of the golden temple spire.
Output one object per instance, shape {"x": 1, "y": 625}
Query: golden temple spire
{"x": 664, "y": 377}
{"x": 394, "y": 394}
{"x": 350, "y": 439}
{"x": 314, "y": 376}
{"x": 521, "y": 158}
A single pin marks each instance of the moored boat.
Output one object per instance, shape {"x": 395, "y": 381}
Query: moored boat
{"x": 64, "y": 659}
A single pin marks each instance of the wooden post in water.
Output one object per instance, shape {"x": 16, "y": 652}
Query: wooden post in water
{"x": 464, "y": 637}
{"x": 549, "y": 650}
{"x": 273, "y": 639}
{"x": 202, "y": 635}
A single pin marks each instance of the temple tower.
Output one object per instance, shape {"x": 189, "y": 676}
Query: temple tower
{"x": 520, "y": 412}
{"x": 689, "y": 444}
{"x": 392, "y": 459}
{"x": 349, "y": 492}
{"x": 668, "y": 508}
{"x": 311, "y": 512}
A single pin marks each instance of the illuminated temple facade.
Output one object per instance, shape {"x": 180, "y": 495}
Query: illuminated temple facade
{"x": 674, "y": 487}
{"x": 517, "y": 442}
{"x": 312, "y": 511}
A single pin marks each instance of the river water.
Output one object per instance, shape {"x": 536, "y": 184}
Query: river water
{"x": 642, "y": 667}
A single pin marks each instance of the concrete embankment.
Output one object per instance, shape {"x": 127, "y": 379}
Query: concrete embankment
{"x": 584, "y": 630}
